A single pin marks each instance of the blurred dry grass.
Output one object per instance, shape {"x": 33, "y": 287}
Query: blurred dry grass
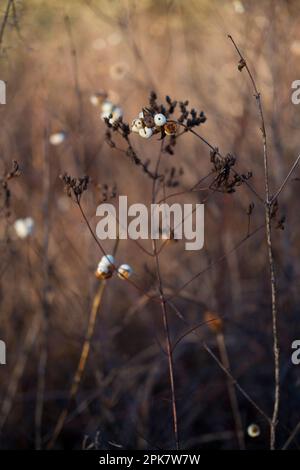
{"x": 129, "y": 48}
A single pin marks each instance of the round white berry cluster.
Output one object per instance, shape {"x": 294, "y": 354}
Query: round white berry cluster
{"x": 148, "y": 124}
{"x": 107, "y": 266}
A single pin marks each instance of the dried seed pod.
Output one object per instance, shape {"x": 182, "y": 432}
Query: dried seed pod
{"x": 160, "y": 119}
{"x": 253, "y": 430}
{"x": 146, "y": 132}
{"x": 125, "y": 271}
{"x": 149, "y": 121}
{"x": 214, "y": 322}
{"x": 170, "y": 128}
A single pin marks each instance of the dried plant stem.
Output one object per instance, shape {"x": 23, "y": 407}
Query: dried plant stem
{"x": 81, "y": 364}
{"x": 169, "y": 350}
{"x": 231, "y": 391}
{"x": 268, "y": 209}
{"x": 275, "y": 331}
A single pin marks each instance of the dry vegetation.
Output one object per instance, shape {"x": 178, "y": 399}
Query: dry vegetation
{"x": 54, "y": 57}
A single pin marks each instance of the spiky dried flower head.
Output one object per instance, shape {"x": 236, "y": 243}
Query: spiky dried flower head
{"x": 214, "y": 321}
{"x": 75, "y": 186}
{"x": 158, "y": 118}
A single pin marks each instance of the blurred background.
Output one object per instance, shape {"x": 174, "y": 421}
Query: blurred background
{"x": 56, "y": 59}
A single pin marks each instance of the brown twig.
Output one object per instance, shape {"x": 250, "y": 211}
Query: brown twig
{"x": 268, "y": 209}
{"x": 169, "y": 350}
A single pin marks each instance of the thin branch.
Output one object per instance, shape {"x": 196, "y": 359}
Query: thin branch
{"x": 169, "y": 350}
{"x": 237, "y": 385}
{"x": 285, "y": 180}
{"x": 268, "y": 208}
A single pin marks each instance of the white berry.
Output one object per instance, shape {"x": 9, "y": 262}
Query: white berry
{"x": 117, "y": 113}
{"x": 253, "y": 430}
{"x": 107, "y": 261}
{"x": 57, "y": 138}
{"x": 24, "y": 227}
{"x": 124, "y": 271}
{"x": 107, "y": 107}
{"x": 160, "y": 119}
{"x": 103, "y": 272}
{"x": 136, "y": 125}
{"x": 146, "y": 132}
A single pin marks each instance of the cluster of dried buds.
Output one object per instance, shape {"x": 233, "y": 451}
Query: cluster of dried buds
{"x": 149, "y": 123}
{"x": 107, "y": 266}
